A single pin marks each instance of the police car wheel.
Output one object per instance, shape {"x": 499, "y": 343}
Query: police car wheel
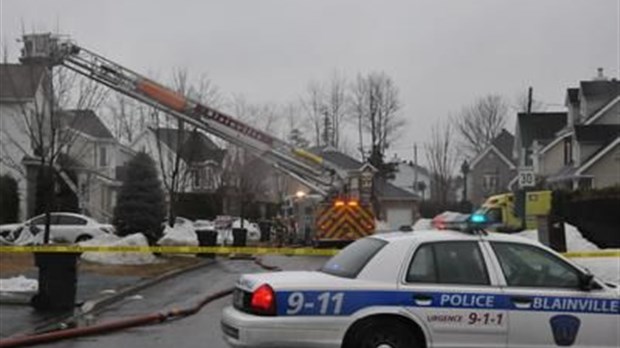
{"x": 390, "y": 334}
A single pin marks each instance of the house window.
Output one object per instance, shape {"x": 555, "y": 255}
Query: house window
{"x": 103, "y": 158}
{"x": 490, "y": 182}
{"x": 585, "y": 183}
{"x": 196, "y": 177}
{"x": 568, "y": 151}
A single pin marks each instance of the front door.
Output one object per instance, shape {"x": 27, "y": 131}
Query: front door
{"x": 453, "y": 295}
{"x": 546, "y": 306}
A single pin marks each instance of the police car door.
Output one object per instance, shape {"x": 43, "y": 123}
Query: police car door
{"x": 454, "y": 294}
{"x": 546, "y": 305}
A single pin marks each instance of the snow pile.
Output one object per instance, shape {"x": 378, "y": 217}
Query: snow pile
{"x": 179, "y": 235}
{"x": 422, "y": 224}
{"x": 118, "y": 258}
{"x": 19, "y": 284}
{"x": 606, "y": 268}
{"x": 22, "y": 236}
{"x": 252, "y": 228}
{"x": 574, "y": 239}
{"x": 382, "y": 226}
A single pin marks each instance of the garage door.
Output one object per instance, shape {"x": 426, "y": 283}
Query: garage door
{"x": 397, "y": 217}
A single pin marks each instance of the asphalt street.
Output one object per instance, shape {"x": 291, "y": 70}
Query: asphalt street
{"x": 199, "y": 330}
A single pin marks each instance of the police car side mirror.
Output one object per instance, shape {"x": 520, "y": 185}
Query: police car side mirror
{"x": 586, "y": 281}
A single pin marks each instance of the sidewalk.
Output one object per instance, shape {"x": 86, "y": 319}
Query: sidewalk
{"x": 99, "y": 285}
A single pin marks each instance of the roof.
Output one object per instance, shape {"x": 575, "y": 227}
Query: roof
{"x": 598, "y": 114}
{"x": 605, "y": 89}
{"x": 598, "y": 155}
{"x": 540, "y": 126}
{"x": 195, "y": 145}
{"x": 600, "y": 133}
{"x": 502, "y": 145}
{"x": 504, "y": 142}
{"x": 19, "y": 81}
{"x": 337, "y": 158}
{"x": 387, "y": 191}
{"x": 87, "y": 122}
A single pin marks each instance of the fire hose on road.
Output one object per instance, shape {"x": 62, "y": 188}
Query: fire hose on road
{"x": 116, "y": 325}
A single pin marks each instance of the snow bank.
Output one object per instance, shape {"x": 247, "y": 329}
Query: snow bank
{"x": 422, "y": 224}
{"x": 606, "y": 268}
{"x": 120, "y": 258}
{"x": 19, "y": 284}
{"x": 574, "y": 239}
{"x": 382, "y": 226}
{"x": 179, "y": 235}
{"x": 252, "y": 228}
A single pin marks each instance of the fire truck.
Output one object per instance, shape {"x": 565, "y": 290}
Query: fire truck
{"x": 338, "y": 217}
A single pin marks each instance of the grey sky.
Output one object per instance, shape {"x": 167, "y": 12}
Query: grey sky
{"x": 441, "y": 54}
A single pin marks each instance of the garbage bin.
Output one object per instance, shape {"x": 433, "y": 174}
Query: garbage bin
{"x": 265, "y": 230}
{"x": 207, "y": 238}
{"x": 551, "y": 232}
{"x": 57, "y": 281}
{"x": 239, "y": 237}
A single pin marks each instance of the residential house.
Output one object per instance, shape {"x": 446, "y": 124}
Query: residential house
{"x": 23, "y": 101}
{"x": 586, "y": 153}
{"x": 398, "y": 206}
{"x": 200, "y": 159}
{"x": 534, "y": 131}
{"x": 97, "y": 159}
{"x": 412, "y": 178}
{"x": 492, "y": 170}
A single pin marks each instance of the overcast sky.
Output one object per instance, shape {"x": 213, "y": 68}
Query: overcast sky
{"x": 441, "y": 54}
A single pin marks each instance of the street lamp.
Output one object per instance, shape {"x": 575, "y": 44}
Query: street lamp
{"x": 465, "y": 171}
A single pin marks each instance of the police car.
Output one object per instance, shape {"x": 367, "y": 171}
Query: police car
{"x": 428, "y": 289}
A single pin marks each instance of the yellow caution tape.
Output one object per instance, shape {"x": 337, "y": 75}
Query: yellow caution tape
{"x": 224, "y": 250}
{"x": 601, "y": 253}
{"x": 169, "y": 249}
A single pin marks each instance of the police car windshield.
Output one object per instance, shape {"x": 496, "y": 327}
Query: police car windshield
{"x": 352, "y": 259}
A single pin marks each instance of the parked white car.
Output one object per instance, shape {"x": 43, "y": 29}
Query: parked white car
{"x": 64, "y": 227}
{"x": 428, "y": 289}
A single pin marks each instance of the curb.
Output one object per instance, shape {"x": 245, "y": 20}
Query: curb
{"x": 96, "y": 305}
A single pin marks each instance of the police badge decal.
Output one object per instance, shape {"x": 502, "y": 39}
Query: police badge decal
{"x": 565, "y": 329}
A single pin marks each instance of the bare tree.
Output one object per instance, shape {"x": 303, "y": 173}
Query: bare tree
{"x": 375, "y": 106}
{"x": 479, "y": 123}
{"x": 48, "y": 130}
{"x": 175, "y": 140}
{"x": 442, "y": 160}
{"x": 314, "y": 107}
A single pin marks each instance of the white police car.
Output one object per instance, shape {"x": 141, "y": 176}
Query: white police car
{"x": 428, "y": 289}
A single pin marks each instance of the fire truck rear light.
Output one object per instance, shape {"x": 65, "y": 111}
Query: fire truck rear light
{"x": 339, "y": 203}
{"x": 353, "y": 204}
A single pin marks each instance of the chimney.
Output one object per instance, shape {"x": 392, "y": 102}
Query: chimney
{"x": 600, "y": 76}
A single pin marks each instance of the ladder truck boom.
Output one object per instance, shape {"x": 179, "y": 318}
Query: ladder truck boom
{"x": 310, "y": 169}
{"x": 335, "y": 220}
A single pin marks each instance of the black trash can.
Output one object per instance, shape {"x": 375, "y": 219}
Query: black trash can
{"x": 207, "y": 238}
{"x": 57, "y": 281}
{"x": 265, "y": 230}
{"x": 239, "y": 237}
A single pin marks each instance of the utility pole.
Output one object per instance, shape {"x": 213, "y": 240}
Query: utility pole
{"x": 415, "y": 167}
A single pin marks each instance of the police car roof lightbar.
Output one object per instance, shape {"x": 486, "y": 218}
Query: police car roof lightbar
{"x": 475, "y": 224}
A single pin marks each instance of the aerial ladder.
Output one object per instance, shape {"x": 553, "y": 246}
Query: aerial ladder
{"x": 353, "y": 220}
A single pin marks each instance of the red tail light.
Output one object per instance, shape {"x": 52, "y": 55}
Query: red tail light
{"x": 264, "y": 300}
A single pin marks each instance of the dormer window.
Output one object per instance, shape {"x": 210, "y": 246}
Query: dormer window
{"x": 103, "y": 157}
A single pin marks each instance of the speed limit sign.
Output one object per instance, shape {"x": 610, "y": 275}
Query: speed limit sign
{"x": 527, "y": 178}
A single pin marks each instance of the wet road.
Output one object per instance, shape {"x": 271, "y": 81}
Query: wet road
{"x": 199, "y": 330}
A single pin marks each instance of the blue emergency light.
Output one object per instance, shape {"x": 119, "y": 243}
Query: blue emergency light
{"x": 478, "y": 218}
